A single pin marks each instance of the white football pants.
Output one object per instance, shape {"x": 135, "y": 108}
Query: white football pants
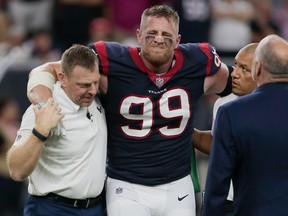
{"x": 172, "y": 199}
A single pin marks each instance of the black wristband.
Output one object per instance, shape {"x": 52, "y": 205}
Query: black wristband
{"x": 228, "y": 88}
{"x": 39, "y": 135}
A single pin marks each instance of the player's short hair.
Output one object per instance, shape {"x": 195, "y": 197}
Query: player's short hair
{"x": 160, "y": 11}
{"x": 78, "y": 55}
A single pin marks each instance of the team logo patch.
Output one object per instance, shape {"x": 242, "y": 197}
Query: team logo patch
{"x": 99, "y": 109}
{"x": 159, "y": 81}
{"x": 19, "y": 136}
{"x": 119, "y": 190}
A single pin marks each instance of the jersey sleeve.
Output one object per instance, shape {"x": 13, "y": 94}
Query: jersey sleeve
{"x": 109, "y": 54}
{"x": 202, "y": 56}
{"x": 213, "y": 61}
{"x": 100, "y": 49}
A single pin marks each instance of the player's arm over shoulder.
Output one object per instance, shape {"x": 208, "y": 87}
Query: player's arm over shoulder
{"x": 41, "y": 81}
{"x": 217, "y": 82}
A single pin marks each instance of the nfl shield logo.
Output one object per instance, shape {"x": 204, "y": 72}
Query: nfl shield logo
{"x": 19, "y": 136}
{"x": 159, "y": 81}
{"x": 119, "y": 190}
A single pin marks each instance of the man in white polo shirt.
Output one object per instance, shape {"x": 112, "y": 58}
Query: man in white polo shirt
{"x": 62, "y": 149}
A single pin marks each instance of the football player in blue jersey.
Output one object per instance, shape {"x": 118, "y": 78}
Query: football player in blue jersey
{"x": 150, "y": 96}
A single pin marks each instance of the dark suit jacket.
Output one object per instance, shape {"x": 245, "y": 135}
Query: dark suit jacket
{"x": 250, "y": 146}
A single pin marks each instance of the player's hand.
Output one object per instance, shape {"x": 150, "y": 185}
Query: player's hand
{"x": 48, "y": 117}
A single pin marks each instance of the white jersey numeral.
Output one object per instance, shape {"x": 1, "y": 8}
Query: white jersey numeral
{"x": 217, "y": 60}
{"x": 167, "y": 112}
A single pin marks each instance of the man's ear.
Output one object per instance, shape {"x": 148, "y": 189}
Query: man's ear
{"x": 256, "y": 70}
{"x": 178, "y": 40}
{"x": 139, "y": 35}
{"x": 62, "y": 78}
{"x": 258, "y": 67}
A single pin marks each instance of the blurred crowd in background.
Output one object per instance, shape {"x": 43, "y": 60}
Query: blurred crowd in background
{"x": 33, "y": 32}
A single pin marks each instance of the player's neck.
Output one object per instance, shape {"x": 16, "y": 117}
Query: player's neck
{"x": 162, "y": 69}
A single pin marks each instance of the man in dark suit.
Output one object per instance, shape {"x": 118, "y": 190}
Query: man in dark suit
{"x": 250, "y": 141}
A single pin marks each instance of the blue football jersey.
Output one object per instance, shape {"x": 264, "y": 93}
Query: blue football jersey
{"x": 150, "y": 117}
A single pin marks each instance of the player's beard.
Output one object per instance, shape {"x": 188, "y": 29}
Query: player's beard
{"x": 157, "y": 59}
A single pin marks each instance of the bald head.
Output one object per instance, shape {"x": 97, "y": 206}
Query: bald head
{"x": 249, "y": 49}
{"x": 273, "y": 54}
{"x": 271, "y": 60}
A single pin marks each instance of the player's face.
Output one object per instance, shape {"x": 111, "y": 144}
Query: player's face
{"x": 242, "y": 82}
{"x": 81, "y": 85}
{"x": 158, "y": 39}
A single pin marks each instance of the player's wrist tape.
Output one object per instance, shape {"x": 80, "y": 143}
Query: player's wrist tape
{"x": 40, "y": 78}
{"x": 39, "y": 135}
{"x": 228, "y": 88}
